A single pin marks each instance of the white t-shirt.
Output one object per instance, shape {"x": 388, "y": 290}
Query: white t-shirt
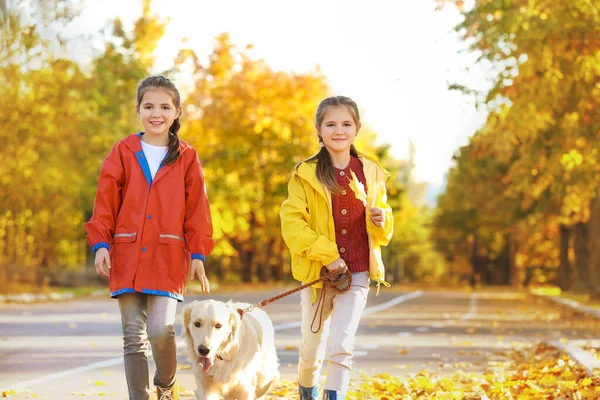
{"x": 154, "y": 155}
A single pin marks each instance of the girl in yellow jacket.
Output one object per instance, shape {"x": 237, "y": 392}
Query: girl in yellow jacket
{"x": 335, "y": 217}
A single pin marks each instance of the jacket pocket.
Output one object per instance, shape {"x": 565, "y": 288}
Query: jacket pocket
{"x": 298, "y": 273}
{"x": 125, "y": 237}
{"x": 166, "y": 238}
{"x": 121, "y": 253}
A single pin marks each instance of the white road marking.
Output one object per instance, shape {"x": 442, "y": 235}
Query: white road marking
{"x": 393, "y": 302}
{"x": 47, "y": 378}
{"x": 119, "y": 360}
{"x": 472, "y": 307}
{"x": 371, "y": 346}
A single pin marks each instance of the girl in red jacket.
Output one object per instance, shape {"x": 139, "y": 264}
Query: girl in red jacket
{"x": 150, "y": 228}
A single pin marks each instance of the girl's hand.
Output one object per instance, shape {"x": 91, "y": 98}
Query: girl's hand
{"x": 377, "y": 217}
{"x": 102, "y": 258}
{"x": 337, "y": 264}
{"x": 197, "y": 270}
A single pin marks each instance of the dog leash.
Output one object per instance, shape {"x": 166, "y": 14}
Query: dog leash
{"x": 331, "y": 279}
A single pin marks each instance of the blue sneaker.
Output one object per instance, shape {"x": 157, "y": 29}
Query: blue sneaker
{"x": 311, "y": 393}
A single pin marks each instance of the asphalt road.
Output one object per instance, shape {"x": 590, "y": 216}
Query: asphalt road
{"x": 61, "y": 350}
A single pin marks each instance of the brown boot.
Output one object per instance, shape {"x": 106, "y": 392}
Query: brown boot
{"x": 171, "y": 393}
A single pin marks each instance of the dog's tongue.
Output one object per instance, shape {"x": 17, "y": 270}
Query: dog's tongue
{"x": 205, "y": 363}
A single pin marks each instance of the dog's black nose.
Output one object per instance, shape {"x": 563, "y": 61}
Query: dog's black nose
{"x": 203, "y": 350}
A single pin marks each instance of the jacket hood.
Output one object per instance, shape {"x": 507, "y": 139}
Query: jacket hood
{"x": 307, "y": 171}
{"x": 133, "y": 142}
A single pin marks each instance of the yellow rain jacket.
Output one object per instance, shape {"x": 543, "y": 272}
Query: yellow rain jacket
{"x": 308, "y": 228}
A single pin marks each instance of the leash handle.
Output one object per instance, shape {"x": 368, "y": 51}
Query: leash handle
{"x": 292, "y": 291}
{"x": 344, "y": 277}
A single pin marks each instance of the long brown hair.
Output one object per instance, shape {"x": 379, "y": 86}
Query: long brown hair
{"x": 159, "y": 81}
{"x": 325, "y": 170}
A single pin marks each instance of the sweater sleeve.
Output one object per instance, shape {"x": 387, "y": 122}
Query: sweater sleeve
{"x": 198, "y": 228}
{"x": 101, "y": 227}
{"x": 296, "y": 231}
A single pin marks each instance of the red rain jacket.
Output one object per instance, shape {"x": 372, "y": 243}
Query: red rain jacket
{"x": 152, "y": 227}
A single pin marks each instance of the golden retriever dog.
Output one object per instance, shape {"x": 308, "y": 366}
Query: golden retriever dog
{"x": 233, "y": 356}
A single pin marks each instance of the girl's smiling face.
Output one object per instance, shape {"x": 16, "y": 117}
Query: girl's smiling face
{"x": 338, "y": 129}
{"x": 157, "y": 113}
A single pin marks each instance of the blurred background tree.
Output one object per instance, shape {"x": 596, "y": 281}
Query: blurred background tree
{"x": 522, "y": 198}
{"x": 250, "y": 124}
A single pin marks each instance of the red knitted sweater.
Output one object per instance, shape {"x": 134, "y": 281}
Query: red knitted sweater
{"x": 349, "y": 218}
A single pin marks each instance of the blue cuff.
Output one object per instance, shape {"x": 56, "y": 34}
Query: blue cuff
{"x": 196, "y": 256}
{"x": 100, "y": 245}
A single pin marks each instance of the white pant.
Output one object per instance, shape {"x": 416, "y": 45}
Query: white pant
{"x": 341, "y": 316}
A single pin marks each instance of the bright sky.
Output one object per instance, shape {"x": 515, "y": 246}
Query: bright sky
{"x": 394, "y": 58}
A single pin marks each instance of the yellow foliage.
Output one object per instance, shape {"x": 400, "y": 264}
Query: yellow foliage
{"x": 536, "y": 157}
{"x": 571, "y": 159}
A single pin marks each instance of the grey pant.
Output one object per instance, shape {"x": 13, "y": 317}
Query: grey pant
{"x": 148, "y": 318}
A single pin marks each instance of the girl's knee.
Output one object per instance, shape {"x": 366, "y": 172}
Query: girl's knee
{"x": 161, "y": 333}
{"x": 135, "y": 343}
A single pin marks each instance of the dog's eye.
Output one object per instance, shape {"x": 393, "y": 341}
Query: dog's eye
{"x": 197, "y": 324}
{"x": 218, "y": 326}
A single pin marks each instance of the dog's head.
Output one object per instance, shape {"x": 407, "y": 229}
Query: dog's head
{"x": 210, "y": 328}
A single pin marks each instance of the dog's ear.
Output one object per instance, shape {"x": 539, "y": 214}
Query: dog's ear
{"x": 231, "y": 345}
{"x": 187, "y": 314}
{"x": 234, "y": 319}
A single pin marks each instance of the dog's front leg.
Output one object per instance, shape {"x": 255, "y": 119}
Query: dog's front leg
{"x": 242, "y": 394}
{"x": 202, "y": 394}
{"x": 204, "y": 388}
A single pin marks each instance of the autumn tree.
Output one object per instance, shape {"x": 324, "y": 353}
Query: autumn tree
{"x": 42, "y": 112}
{"x": 544, "y": 121}
{"x": 58, "y": 123}
{"x": 252, "y": 125}
{"x": 126, "y": 59}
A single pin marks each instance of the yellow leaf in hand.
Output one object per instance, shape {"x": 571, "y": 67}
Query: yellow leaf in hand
{"x": 358, "y": 188}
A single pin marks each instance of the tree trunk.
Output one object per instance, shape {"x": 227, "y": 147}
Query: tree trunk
{"x": 480, "y": 264}
{"x": 502, "y": 265}
{"x": 473, "y": 259}
{"x": 594, "y": 248}
{"x": 564, "y": 269}
{"x": 247, "y": 260}
{"x": 483, "y": 264}
{"x": 249, "y": 251}
{"x": 219, "y": 268}
{"x": 266, "y": 267}
{"x": 514, "y": 278}
{"x": 90, "y": 255}
{"x": 582, "y": 258}
{"x": 399, "y": 269}
{"x": 278, "y": 272}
